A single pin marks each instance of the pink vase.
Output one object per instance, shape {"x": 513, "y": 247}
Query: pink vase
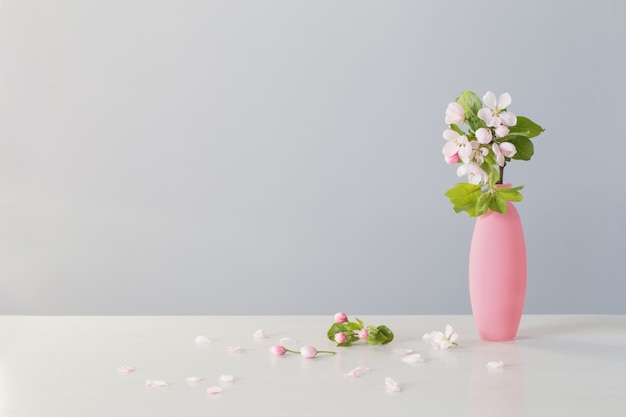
{"x": 497, "y": 274}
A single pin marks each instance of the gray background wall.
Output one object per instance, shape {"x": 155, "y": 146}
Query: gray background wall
{"x": 284, "y": 157}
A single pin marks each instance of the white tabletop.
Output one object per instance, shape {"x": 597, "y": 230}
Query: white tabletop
{"x": 68, "y": 366}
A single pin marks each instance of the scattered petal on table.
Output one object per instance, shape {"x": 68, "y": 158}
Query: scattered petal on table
{"x": 227, "y": 378}
{"x": 194, "y": 379}
{"x": 259, "y": 334}
{"x": 391, "y": 385}
{"x": 413, "y": 358}
{"x": 214, "y": 390}
{"x": 402, "y": 352}
{"x": 357, "y": 372}
{"x": 125, "y": 369}
{"x": 494, "y": 365}
{"x": 202, "y": 341}
{"x": 287, "y": 341}
{"x": 156, "y": 384}
{"x": 234, "y": 349}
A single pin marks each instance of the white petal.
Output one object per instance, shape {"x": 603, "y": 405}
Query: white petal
{"x": 357, "y": 372}
{"x": 391, "y": 385}
{"x": 234, "y": 349}
{"x": 157, "y": 383}
{"x": 449, "y": 331}
{"x": 485, "y": 114}
{"x": 494, "y": 364}
{"x": 202, "y": 341}
{"x": 125, "y": 369}
{"x": 404, "y": 352}
{"x": 504, "y": 101}
{"x": 450, "y": 148}
{"x": 214, "y": 390}
{"x": 227, "y": 378}
{"x": 490, "y": 100}
{"x": 194, "y": 379}
{"x": 450, "y": 135}
{"x": 287, "y": 341}
{"x": 508, "y": 149}
{"x": 416, "y": 357}
{"x": 259, "y": 334}
{"x": 508, "y": 118}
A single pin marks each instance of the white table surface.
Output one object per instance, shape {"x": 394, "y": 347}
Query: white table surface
{"x": 68, "y": 366}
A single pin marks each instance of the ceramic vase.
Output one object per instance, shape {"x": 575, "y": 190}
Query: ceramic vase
{"x": 497, "y": 274}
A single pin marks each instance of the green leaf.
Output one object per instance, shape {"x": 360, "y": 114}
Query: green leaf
{"x": 524, "y": 146}
{"x": 510, "y": 194}
{"x": 463, "y": 196}
{"x": 470, "y": 102}
{"x": 526, "y": 127}
{"x": 483, "y": 203}
{"x": 380, "y": 335}
{"x": 498, "y": 203}
{"x": 359, "y": 322}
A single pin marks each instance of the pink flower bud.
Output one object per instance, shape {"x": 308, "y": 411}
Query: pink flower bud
{"x": 340, "y": 337}
{"x": 341, "y": 318}
{"x": 308, "y": 352}
{"x": 278, "y": 350}
{"x": 363, "y": 333}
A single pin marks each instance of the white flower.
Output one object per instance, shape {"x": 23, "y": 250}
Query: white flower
{"x": 495, "y": 115}
{"x": 454, "y": 114}
{"x": 454, "y": 143}
{"x": 475, "y": 174}
{"x": 502, "y": 150}
{"x": 442, "y": 340}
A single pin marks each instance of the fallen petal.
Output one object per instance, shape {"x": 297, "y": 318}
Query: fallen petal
{"x": 391, "y": 385}
{"x": 227, "y": 378}
{"x": 357, "y": 372}
{"x": 402, "y": 352}
{"x": 416, "y": 357}
{"x": 125, "y": 369}
{"x": 259, "y": 334}
{"x": 202, "y": 341}
{"x": 194, "y": 379}
{"x": 494, "y": 364}
{"x": 287, "y": 341}
{"x": 234, "y": 349}
{"x": 214, "y": 390}
{"x": 150, "y": 383}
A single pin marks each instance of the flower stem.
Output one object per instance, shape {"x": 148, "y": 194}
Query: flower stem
{"x": 326, "y": 351}
{"x": 501, "y": 179}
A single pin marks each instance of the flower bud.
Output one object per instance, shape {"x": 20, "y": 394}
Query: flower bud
{"x": 278, "y": 350}
{"x": 363, "y": 333}
{"x": 340, "y": 337}
{"x": 308, "y": 352}
{"x": 341, "y": 318}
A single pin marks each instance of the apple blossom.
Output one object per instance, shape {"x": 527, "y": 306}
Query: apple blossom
{"x": 442, "y": 340}
{"x": 475, "y": 174}
{"x": 278, "y": 350}
{"x": 489, "y": 138}
{"x": 362, "y": 334}
{"x": 345, "y": 333}
{"x": 502, "y": 150}
{"x": 501, "y": 131}
{"x": 340, "y": 337}
{"x": 484, "y": 135}
{"x": 341, "y": 317}
{"x": 308, "y": 352}
{"x": 495, "y": 114}
{"x": 454, "y": 113}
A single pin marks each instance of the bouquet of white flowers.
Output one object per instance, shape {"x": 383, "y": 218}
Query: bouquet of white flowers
{"x": 493, "y": 136}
